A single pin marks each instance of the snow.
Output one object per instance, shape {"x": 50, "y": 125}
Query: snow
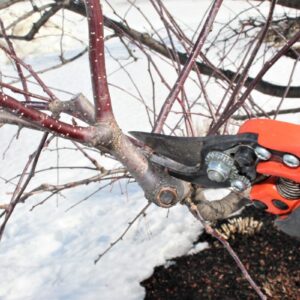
{"x": 52, "y": 252}
{"x": 48, "y": 253}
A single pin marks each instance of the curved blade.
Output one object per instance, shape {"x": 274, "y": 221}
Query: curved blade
{"x": 185, "y": 150}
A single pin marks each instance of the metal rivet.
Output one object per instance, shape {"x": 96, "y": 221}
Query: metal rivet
{"x": 262, "y": 153}
{"x": 238, "y": 185}
{"x": 166, "y": 197}
{"x": 291, "y": 160}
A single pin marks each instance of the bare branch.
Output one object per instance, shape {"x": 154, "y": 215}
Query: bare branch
{"x": 216, "y": 235}
{"x": 19, "y": 69}
{"x": 287, "y": 3}
{"x": 79, "y": 107}
{"x": 130, "y": 224}
{"x": 224, "y": 116}
{"x": 9, "y": 118}
{"x": 43, "y": 121}
{"x": 103, "y": 108}
{"x": 54, "y": 8}
{"x": 122, "y": 29}
{"x": 19, "y": 190}
{"x": 8, "y": 3}
{"x": 187, "y": 67}
{"x": 258, "y": 77}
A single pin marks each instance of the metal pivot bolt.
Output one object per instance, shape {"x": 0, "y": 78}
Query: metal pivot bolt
{"x": 262, "y": 153}
{"x": 291, "y": 160}
{"x": 218, "y": 171}
{"x": 166, "y": 197}
{"x": 219, "y": 166}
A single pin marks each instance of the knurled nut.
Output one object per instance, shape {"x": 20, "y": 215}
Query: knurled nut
{"x": 216, "y": 155}
{"x": 244, "y": 179}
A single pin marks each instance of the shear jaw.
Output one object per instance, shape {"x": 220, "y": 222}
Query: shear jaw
{"x": 210, "y": 162}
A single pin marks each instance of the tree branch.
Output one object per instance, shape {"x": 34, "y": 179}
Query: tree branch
{"x": 38, "y": 25}
{"x": 224, "y": 116}
{"x": 177, "y": 87}
{"x": 158, "y": 186}
{"x": 287, "y": 3}
{"x": 258, "y": 77}
{"x": 19, "y": 190}
{"x": 79, "y": 107}
{"x": 122, "y": 29}
{"x": 9, "y": 118}
{"x": 43, "y": 121}
{"x": 219, "y": 209}
{"x": 8, "y": 3}
{"x": 215, "y": 234}
{"x": 103, "y": 108}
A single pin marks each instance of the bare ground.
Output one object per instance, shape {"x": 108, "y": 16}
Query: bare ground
{"x": 272, "y": 258}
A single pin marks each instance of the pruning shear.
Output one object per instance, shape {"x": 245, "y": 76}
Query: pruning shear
{"x": 264, "y": 156}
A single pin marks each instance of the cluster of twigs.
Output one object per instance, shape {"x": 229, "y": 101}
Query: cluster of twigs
{"x": 99, "y": 129}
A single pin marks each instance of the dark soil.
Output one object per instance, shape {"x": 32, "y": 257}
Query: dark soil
{"x": 271, "y": 257}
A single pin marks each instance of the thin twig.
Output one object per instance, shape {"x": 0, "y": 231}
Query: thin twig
{"x": 258, "y": 77}
{"x": 142, "y": 212}
{"x": 19, "y": 190}
{"x": 18, "y": 66}
{"x": 227, "y": 246}
{"x": 187, "y": 67}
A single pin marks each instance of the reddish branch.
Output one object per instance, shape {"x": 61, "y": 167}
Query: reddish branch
{"x": 44, "y": 121}
{"x": 187, "y": 67}
{"x": 227, "y": 246}
{"x": 101, "y": 94}
{"x": 122, "y": 29}
{"x": 159, "y": 187}
{"x": 20, "y": 91}
{"x": 19, "y": 190}
{"x": 258, "y": 77}
{"x": 145, "y": 39}
{"x": 105, "y": 134}
{"x": 18, "y": 67}
{"x": 242, "y": 78}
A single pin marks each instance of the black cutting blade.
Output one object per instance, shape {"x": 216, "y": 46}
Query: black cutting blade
{"x": 185, "y": 150}
{"x": 190, "y": 153}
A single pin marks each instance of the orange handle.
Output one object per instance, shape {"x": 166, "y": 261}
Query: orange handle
{"x": 281, "y": 137}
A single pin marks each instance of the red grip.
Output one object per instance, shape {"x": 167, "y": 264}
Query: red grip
{"x": 281, "y": 137}
{"x": 275, "y": 135}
